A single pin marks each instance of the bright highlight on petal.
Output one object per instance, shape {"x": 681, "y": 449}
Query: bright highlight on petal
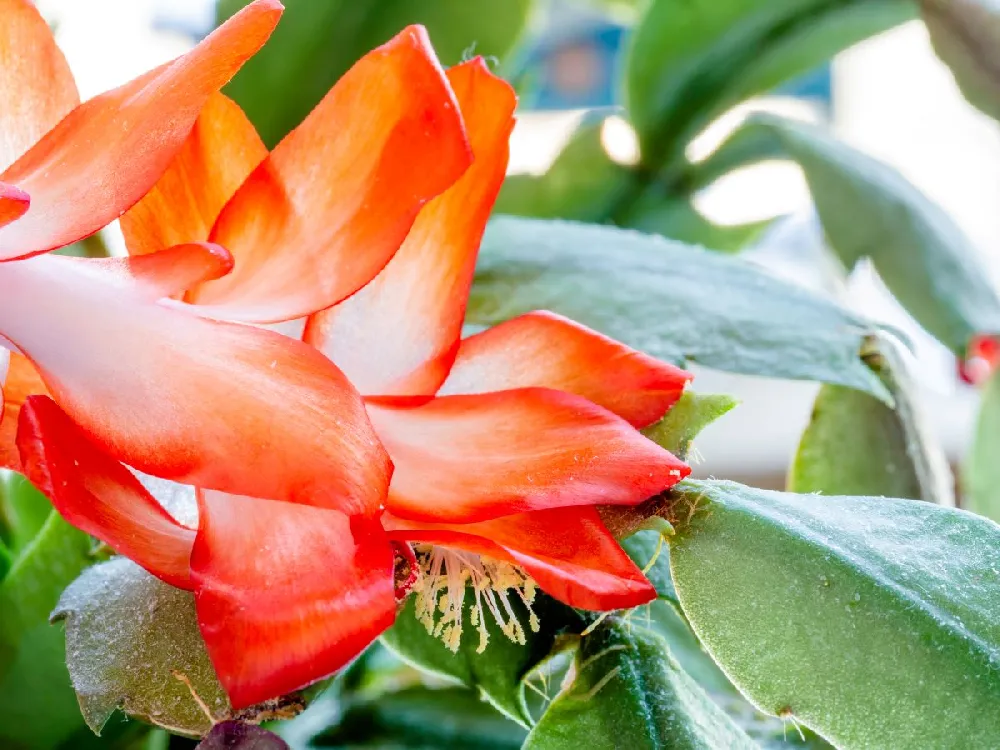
{"x": 75, "y": 174}
{"x": 287, "y": 594}
{"x": 211, "y": 404}
{"x": 542, "y": 349}
{"x": 397, "y": 335}
{"x": 36, "y": 87}
{"x": 461, "y": 459}
{"x": 98, "y": 495}
{"x": 324, "y": 213}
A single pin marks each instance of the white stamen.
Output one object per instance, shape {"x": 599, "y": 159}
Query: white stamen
{"x": 440, "y": 595}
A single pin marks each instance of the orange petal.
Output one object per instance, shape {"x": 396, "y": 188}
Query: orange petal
{"x": 205, "y": 403}
{"x": 98, "y": 495}
{"x": 219, "y": 154}
{"x": 397, "y": 335}
{"x": 14, "y": 203}
{"x": 108, "y": 152}
{"x": 324, "y": 213}
{"x": 20, "y": 380}
{"x": 164, "y": 273}
{"x": 36, "y": 86}
{"x": 568, "y": 551}
{"x": 461, "y": 459}
{"x": 286, "y": 594}
{"x": 547, "y": 350}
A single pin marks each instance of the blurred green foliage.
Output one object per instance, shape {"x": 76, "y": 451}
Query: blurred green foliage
{"x": 318, "y": 40}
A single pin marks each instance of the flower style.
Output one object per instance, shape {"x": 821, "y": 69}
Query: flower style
{"x": 503, "y": 443}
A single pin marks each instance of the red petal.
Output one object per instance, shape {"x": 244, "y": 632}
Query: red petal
{"x": 20, "y": 380}
{"x": 546, "y": 350}
{"x": 164, "y": 273}
{"x": 105, "y": 155}
{"x": 461, "y": 459}
{"x": 568, "y": 551}
{"x": 397, "y": 335}
{"x": 286, "y": 594}
{"x": 328, "y": 208}
{"x": 201, "y": 402}
{"x": 219, "y": 154}
{"x": 98, "y": 495}
{"x": 14, "y": 203}
{"x": 36, "y": 86}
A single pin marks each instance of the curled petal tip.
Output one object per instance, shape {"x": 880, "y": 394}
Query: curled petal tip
{"x": 224, "y": 261}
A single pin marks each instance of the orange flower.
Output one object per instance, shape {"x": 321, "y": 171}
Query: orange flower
{"x": 137, "y": 380}
{"x": 503, "y": 443}
{"x": 67, "y": 169}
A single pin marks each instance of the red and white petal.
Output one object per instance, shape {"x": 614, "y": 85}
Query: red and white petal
{"x": 542, "y": 349}
{"x": 286, "y": 594}
{"x": 108, "y": 152}
{"x": 165, "y": 273}
{"x": 398, "y": 334}
{"x": 219, "y": 154}
{"x": 98, "y": 495}
{"x": 324, "y": 213}
{"x": 36, "y": 86}
{"x": 462, "y": 459}
{"x": 211, "y": 404}
{"x": 568, "y": 551}
{"x": 14, "y": 202}
{"x": 19, "y": 380}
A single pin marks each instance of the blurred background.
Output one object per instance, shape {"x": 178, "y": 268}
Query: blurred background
{"x": 888, "y": 95}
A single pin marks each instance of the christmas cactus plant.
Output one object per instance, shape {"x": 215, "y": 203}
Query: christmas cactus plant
{"x": 366, "y": 444}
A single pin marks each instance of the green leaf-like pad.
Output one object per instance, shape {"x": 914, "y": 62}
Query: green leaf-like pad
{"x": 869, "y": 210}
{"x": 871, "y": 620}
{"x": 649, "y": 550}
{"x": 688, "y": 417}
{"x": 673, "y": 301}
{"x": 982, "y": 466}
{"x": 627, "y": 691}
{"x": 127, "y": 633}
{"x": 966, "y": 35}
{"x": 856, "y": 445}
